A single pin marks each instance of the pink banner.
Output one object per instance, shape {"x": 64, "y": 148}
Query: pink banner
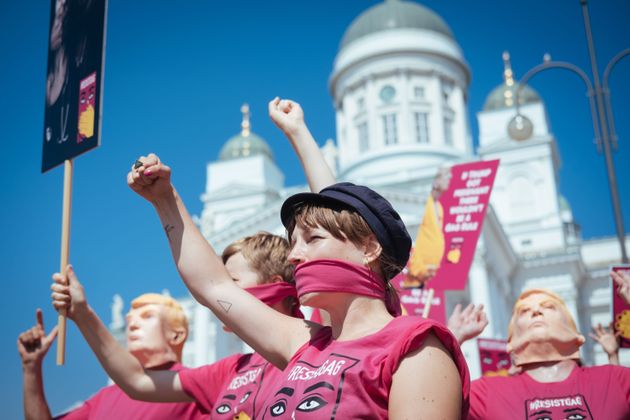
{"x": 621, "y": 310}
{"x": 464, "y": 208}
{"x": 413, "y": 300}
{"x": 493, "y": 357}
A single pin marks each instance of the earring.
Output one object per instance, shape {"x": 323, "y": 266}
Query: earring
{"x": 366, "y": 261}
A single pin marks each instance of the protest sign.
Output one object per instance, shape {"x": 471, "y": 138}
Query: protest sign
{"x": 414, "y": 300}
{"x": 621, "y": 310}
{"x": 493, "y": 357}
{"x": 74, "y": 80}
{"x": 453, "y": 218}
{"x": 72, "y": 116}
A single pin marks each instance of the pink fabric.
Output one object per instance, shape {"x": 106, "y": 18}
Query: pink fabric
{"x": 601, "y": 392}
{"x": 272, "y": 293}
{"x": 352, "y": 379}
{"x": 343, "y": 277}
{"x": 317, "y": 317}
{"x": 112, "y": 403}
{"x": 231, "y": 387}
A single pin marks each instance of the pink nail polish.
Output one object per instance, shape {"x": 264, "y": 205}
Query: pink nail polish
{"x": 148, "y": 173}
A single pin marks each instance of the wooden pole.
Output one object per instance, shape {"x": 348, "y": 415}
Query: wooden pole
{"x": 65, "y": 253}
{"x": 427, "y": 303}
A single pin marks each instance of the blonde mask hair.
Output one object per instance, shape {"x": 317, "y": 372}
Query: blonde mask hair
{"x": 173, "y": 314}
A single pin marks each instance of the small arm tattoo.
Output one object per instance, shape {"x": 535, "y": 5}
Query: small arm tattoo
{"x": 225, "y": 305}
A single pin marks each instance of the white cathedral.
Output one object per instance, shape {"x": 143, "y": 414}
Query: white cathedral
{"x": 399, "y": 86}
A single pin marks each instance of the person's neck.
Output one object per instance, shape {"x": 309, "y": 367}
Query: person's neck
{"x": 152, "y": 358}
{"x": 284, "y": 307}
{"x": 355, "y": 316}
{"x": 550, "y": 371}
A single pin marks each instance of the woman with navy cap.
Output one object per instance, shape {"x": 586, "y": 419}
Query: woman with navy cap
{"x": 347, "y": 243}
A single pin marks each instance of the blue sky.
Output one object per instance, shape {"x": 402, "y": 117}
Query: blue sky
{"x": 176, "y": 75}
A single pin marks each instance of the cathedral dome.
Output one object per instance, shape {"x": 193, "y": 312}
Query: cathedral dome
{"x": 395, "y": 14}
{"x": 503, "y": 96}
{"x": 245, "y": 144}
{"x": 241, "y": 146}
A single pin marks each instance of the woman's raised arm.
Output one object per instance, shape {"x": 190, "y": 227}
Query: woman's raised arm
{"x": 274, "y": 335}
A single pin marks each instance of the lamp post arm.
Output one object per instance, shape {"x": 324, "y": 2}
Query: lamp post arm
{"x": 606, "y": 91}
{"x": 575, "y": 69}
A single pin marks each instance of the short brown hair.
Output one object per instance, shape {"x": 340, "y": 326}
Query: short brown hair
{"x": 266, "y": 254}
{"x": 343, "y": 224}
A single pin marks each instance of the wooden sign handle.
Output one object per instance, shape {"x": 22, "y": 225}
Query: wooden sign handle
{"x": 65, "y": 253}
{"x": 427, "y": 303}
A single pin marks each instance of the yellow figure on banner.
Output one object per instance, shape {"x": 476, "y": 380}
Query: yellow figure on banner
{"x": 429, "y": 248}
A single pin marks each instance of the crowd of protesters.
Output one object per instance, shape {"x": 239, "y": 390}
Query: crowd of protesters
{"x": 344, "y": 244}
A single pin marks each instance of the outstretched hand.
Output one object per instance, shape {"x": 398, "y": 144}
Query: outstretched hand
{"x": 623, "y": 284}
{"x": 287, "y": 115}
{"x": 607, "y": 338}
{"x": 68, "y": 296}
{"x": 468, "y": 323}
{"x": 150, "y": 178}
{"x": 33, "y": 344}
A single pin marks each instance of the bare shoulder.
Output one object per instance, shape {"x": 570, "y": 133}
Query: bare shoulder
{"x": 427, "y": 381}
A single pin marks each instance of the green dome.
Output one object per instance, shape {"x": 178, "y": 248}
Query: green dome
{"x": 503, "y": 96}
{"x": 241, "y": 146}
{"x": 394, "y": 14}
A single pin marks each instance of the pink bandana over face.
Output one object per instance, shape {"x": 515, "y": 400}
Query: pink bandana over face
{"x": 272, "y": 293}
{"x": 344, "y": 277}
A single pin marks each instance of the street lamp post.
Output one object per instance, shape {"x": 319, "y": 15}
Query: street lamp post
{"x": 521, "y": 128}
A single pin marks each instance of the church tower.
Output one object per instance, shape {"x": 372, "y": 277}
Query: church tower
{"x": 526, "y": 191}
{"x": 243, "y": 180}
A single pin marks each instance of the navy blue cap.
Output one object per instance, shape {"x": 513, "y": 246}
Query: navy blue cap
{"x": 379, "y": 214}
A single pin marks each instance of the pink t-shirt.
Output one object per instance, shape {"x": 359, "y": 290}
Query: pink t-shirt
{"x": 112, "y": 403}
{"x": 352, "y": 379}
{"x": 601, "y": 392}
{"x": 231, "y": 387}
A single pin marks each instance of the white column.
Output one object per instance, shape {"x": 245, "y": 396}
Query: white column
{"x": 201, "y": 343}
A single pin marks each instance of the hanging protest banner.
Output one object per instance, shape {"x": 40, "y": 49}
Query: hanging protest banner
{"x": 452, "y": 222}
{"x": 74, "y": 91}
{"x": 621, "y": 310}
{"x": 493, "y": 357}
{"x": 74, "y": 80}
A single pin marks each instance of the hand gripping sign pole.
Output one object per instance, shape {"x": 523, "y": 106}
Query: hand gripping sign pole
{"x": 65, "y": 254}
{"x": 72, "y": 117}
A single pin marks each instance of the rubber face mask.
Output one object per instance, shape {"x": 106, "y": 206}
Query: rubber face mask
{"x": 542, "y": 330}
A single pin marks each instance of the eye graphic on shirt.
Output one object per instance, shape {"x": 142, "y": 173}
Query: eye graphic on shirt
{"x": 573, "y": 407}
{"x": 278, "y": 408}
{"x": 240, "y": 392}
{"x": 311, "y": 403}
{"x": 224, "y": 408}
{"x": 313, "y": 391}
{"x": 245, "y": 397}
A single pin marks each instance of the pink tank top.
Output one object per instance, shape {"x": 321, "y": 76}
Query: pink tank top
{"x": 328, "y": 379}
